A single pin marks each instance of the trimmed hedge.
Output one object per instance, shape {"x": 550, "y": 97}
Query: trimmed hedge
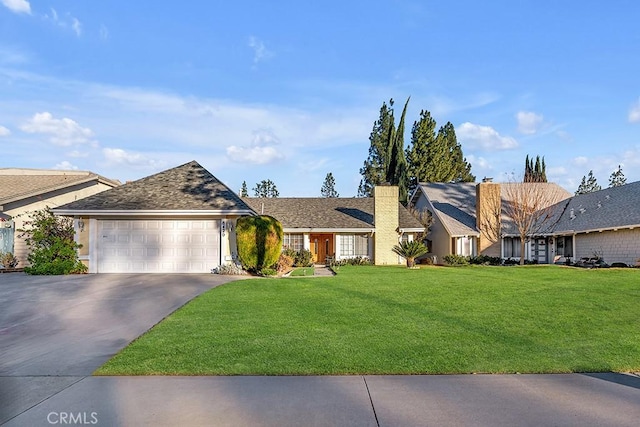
{"x": 259, "y": 241}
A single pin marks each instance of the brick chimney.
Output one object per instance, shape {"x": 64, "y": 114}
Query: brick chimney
{"x": 488, "y": 210}
{"x": 385, "y": 218}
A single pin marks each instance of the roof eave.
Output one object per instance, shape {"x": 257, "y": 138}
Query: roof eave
{"x": 125, "y": 212}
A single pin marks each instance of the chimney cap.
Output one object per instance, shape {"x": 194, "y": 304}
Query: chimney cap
{"x": 487, "y": 179}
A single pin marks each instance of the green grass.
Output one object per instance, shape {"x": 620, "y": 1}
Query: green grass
{"x": 302, "y": 271}
{"x": 388, "y": 320}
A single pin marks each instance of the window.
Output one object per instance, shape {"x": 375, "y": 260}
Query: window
{"x": 354, "y": 245}
{"x": 293, "y": 241}
{"x": 464, "y": 246}
{"x": 511, "y": 247}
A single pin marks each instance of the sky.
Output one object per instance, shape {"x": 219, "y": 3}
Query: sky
{"x": 289, "y": 90}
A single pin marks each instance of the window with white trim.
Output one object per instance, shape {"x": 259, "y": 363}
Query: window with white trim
{"x": 353, "y": 245}
{"x": 293, "y": 241}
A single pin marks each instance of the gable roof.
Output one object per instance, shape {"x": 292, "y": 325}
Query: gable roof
{"x": 327, "y": 213}
{"x": 454, "y": 205}
{"x": 188, "y": 187}
{"x": 611, "y": 208}
{"x": 18, "y": 184}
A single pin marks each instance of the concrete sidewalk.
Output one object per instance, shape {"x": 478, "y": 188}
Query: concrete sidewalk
{"x": 451, "y": 400}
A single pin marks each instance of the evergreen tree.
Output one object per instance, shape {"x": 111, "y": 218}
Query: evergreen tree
{"x": 589, "y": 184}
{"x": 243, "y": 191}
{"x": 535, "y": 172}
{"x": 436, "y": 157}
{"x": 396, "y": 166}
{"x": 329, "y": 187}
{"x": 374, "y": 169}
{"x": 423, "y": 139}
{"x": 265, "y": 188}
{"x": 617, "y": 178}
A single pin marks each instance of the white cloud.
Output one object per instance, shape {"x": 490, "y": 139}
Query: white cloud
{"x": 4, "y": 131}
{"x": 529, "y": 122}
{"x": 65, "y": 165}
{"x": 120, "y": 157}
{"x": 254, "y": 155}
{"x": 634, "y": 113}
{"x": 479, "y": 162}
{"x": 68, "y": 21}
{"x": 580, "y": 161}
{"x": 260, "y": 51}
{"x": 17, "y": 6}
{"x": 64, "y": 132}
{"x": 484, "y": 137}
{"x": 261, "y": 151}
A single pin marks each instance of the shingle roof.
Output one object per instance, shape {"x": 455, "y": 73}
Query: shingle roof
{"x": 610, "y": 208}
{"x": 183, "y": 188}
{"x": 455, "y": 205}
{"x": 326, "y": 213}
{"x": 18, "y": 184}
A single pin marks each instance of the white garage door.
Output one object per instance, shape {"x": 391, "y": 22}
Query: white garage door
{"x": 158, "y": 246}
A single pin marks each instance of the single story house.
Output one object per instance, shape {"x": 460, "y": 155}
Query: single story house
{"x": 472, "y": 219}
{"x": 27, "y": 190}
{"x": 604, "y": 223}
{"x": 341, "y": 228}
{"x": 181, "y": 220}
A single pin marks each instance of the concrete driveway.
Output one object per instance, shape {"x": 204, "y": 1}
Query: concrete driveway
{"x": 56, "y": 328}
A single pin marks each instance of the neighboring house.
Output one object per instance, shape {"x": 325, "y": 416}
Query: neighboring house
{"x": 27, "y": 190}
{"x": 181, "y": 220}
{"x": 605, "y": 223}
{"x": 341, "y": 228}
{"x": 471, "y": 219}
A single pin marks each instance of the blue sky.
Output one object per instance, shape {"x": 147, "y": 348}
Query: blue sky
{"x": 289, "y": 90}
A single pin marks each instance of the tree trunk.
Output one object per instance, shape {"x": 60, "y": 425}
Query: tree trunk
{"x": 523, "y": 243}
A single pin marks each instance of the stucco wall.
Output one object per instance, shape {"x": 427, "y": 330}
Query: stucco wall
{"x": 615, "y": 246}
{"x": 20, "y": 210}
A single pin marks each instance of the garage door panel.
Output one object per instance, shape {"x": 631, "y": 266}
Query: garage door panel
{"x": 148, "y": 246}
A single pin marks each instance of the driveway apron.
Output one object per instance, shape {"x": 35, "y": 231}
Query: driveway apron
{"x": 54, "y": 330}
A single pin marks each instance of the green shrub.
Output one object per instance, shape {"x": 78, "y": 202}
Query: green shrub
{"x": 352, "y": 261}
{"x": 304, "y": 258}
{"x": 259, "y": 240}
{"x": 485, "y": 260}
{"x": 456, "y": 260}
{"x": 51, "y": 241}
{"x": 268, "y": 272}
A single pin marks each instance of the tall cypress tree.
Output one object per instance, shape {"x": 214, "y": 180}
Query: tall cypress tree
{"x": 374, "y": 169}
{"x": 535, "y": 172}
{"x": 396, "y": 167}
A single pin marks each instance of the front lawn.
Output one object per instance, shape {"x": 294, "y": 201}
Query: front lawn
{"x": 302, "y": 271}
{"x": 391, "y": 320}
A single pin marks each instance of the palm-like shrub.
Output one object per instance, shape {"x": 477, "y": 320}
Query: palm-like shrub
{"x": 410, "y": 250}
